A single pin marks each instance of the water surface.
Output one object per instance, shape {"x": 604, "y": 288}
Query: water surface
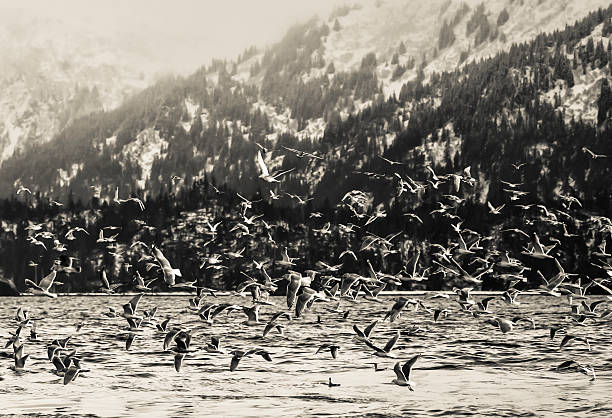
{"x": 467, "y": 367}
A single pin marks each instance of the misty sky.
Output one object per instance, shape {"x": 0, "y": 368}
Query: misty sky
{"x": 215, "y": 28}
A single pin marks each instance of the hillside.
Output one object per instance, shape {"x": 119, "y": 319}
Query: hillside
{"x": 351, "y": 86}
{"x": 482, "y": 158}
{"x": 54, "y": 71}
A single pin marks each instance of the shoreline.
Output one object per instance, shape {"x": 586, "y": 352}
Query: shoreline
{"x": 227, "y": 293}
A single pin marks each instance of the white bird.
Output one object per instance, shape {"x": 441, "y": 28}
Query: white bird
{"x": 169, "y": 272}
{"x": 42, "y": 288}
{"x": 495, "y": 210}
{"x": 131, "y": 199}
{"x": 265, "y": 173}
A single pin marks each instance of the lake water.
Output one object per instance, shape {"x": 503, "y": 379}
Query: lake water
{"x": 468, "y": 367}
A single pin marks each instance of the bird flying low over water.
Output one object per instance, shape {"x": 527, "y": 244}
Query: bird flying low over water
{"x": 365, "y": 334}
{"x": 43, "y": 287}
{"x": 169, "y": 272}
{"x": 402, "y": 373}
{"x": 386, "y": 350}
{"x": 237, "y": 355}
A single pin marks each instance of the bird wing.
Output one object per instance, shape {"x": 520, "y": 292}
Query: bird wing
{"x": 373, "y": 347}
{"x": 104, "y": 279}
{"x": 358, "y": 331}
{"x": 268, "y": 327}
{"x": 47, "y": 281}
{"x": 389, "y": 346}
{"x": 134, "y": 302}
{"x": 369, "y": 328}
{"x": 58, "y": 363}
{"x": 399, "y": 372}
{"x": 302, "y": 300}
{"x": 169, "y": 337}
{"x": 379, "y": 289}
{"x": 234, "y": 363}
{"x": 408, "y": 366}
{"x": 71, "y": 374}
{"x": 215, "y": 341}
{"x": 262, "y": 164}
{"x": 178, "y": 361}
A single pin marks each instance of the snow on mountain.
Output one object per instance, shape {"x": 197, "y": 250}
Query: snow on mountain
{"x": 44, "y": 91}
{"x": 380, "y": 27}
{"x": 53, "y": 72}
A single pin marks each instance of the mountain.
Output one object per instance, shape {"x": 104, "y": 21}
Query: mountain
{"x": 469, "y": 131}
{"x": 434, "y": 83}
{"x": 55, "y": 71}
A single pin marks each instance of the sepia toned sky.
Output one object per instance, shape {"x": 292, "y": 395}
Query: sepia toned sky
{"x": 215, "y": 28}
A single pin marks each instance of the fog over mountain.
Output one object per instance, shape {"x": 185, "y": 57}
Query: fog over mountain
{"x": 64, "y": 59}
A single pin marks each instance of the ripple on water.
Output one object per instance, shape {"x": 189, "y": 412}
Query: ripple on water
{"x": 467, "y": 368}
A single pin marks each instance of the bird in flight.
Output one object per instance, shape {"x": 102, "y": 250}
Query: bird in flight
{"x": 265, "y": 173}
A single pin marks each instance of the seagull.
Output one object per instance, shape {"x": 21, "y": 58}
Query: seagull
{"x": 131, "y": 199}
{"x": 574, "y": 365}
{"x": 140, "y": 284}
{"x": 169, "y": 272}
{"x": 396, "y": 309}
{"x": 390, "y": 162}
{"x": 273, "y": 324}
{"x": 22, "y": 189}
{"x": 72, "y": 372}
{"x": 413, "y": 216}
{"x": 365, "y": 334}
{"x": 305, "y": 300}
{"x": 20, "y": 359}
{"x": 504, "y": 325}
{"x": 333, "y": 349}
{"x": 402, "y": 371}
{"x": 295, "y": 281}
{"x": 42, "y": 288}
{"x": 213, "y": 345}
{"x": 495, "y": 210}
{"x": 286, "y": 261}
{"x": 592, "y": 154}
{"x": 106, "y": 287}
{"x": 302, "y": 154}
{"x": 237, "y": 355}
{"x": 103, "y": 239}
{"x": 438, "y": 312}
{"x": 555, "y": 330}
{"x": 163, "y": 325}
{"x": 252, "y": 314}
{"x": 569, "y": 338}
{"x": 129, "y": 309}
{"x": 386, "y": 350}
{"x": 265, "y": 174}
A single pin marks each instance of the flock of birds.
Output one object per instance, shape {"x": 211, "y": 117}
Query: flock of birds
{"x": 328, "y": 284}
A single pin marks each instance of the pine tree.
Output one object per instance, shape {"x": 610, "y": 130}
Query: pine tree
{"x": 402, "y": 48}
{"x": 503, "y": 17}
{"x": 604, "y": 104}
{"x": 446, "y": 37}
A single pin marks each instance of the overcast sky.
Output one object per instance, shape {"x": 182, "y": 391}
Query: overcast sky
{"x": 219, "y": 28}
